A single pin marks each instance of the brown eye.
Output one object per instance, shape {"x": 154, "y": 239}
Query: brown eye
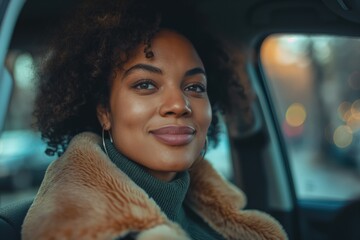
{"x": 197, "y": 88}
{"x": 144, "y": 85}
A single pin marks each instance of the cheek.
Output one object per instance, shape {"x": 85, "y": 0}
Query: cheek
{"x": 130, "y": 112}
{"x": 206, "y": 116}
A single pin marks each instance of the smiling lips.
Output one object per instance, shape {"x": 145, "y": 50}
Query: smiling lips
{"x": 174, "y": 135}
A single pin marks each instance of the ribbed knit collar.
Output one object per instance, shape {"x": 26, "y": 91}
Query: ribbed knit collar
{"x": 168, "y": 195}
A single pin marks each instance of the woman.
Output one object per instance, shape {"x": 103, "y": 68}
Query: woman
{"x": 127, "y": 99}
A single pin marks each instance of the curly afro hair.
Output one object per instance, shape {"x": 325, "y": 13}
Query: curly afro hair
{"x": 77, "y": 72}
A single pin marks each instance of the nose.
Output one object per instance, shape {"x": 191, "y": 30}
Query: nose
{"x": 175, "y": 103}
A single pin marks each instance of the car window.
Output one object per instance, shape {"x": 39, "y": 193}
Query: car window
{"x": 220, "y": 155}
{"x": 314, "y": 81}
{"x": 22, "y": 158}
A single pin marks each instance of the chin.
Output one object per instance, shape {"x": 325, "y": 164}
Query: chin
{"x": 175, "y": 165}
{"x": 170, "y": 159}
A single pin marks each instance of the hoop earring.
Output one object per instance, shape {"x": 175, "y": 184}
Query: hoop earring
{"x": 103, "y": 139}
{"x": 111, "y": 139}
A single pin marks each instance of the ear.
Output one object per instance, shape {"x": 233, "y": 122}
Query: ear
{"x": 103, "y": 115}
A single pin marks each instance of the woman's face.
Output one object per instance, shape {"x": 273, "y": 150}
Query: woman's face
{"x": 159, "y": 110}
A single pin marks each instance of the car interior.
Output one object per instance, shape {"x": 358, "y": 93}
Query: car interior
{"x": 293, "y": 146}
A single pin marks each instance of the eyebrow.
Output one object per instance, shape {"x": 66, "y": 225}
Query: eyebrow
{"x": 153, "y": 69}
{"x": 142, "y": 66}
{"x": 195, "y": 71}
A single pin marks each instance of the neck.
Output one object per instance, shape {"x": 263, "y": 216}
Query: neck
{"x": 168, "y": 190}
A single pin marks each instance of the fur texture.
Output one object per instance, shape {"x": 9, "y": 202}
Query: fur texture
{"x": 85, "y": 196}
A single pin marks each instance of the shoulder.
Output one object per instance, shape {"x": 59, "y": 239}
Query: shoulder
{"x": 84, "y": 195}
{"x": 220, "y": 204}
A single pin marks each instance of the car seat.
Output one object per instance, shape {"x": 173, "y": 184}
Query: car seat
{"x": 12, "y": 217}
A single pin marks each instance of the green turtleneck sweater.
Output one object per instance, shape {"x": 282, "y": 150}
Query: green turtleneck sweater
{"x": 169, "y": 196}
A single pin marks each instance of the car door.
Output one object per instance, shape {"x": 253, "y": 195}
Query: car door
{"x": 302, "y": 63}
{"x": 313, "y": 83}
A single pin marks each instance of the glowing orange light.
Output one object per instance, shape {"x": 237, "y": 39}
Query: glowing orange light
{"x": 343, "y": 110}
{"x": 295, "y": 115}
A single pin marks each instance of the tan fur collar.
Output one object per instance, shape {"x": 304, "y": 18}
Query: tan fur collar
{"x": 85, "y": 196}
{"x": 220, "y": 204}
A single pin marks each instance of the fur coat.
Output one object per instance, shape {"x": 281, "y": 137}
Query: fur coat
{"x": 85, "y": 196}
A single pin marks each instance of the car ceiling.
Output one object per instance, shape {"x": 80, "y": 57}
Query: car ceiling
{"x": 236, "y": 19}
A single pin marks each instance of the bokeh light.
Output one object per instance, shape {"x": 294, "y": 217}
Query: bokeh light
{"x": 343, "y": 136}
{"x": 24, "y": 70}
{"x": 343, "y": 110}
{"x": 295, "y": 115}
{"x": 354, "y": 124}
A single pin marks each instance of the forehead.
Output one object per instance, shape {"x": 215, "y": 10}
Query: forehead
{"x": 167, "y": 45}
{"x": 171, "y": 38}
